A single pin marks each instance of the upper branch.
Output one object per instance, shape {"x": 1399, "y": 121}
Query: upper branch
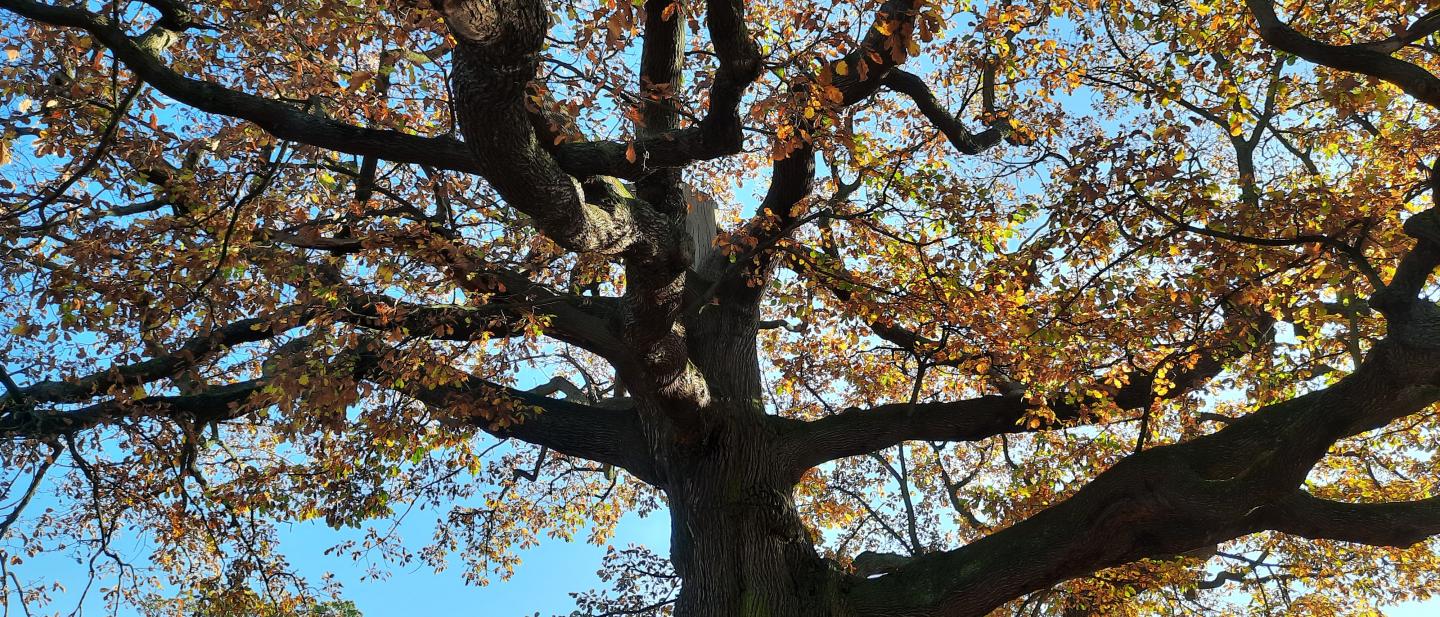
{"x": 291, "y": 123}
{"x": 1371, "y": 59}
{"x": 739, "y": 67}
{"x": 499, "y": 42}
{"x": 792, "y": 178}
{"x": 280, "y": 119}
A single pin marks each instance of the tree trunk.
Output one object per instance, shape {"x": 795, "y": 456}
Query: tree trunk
{"x": 736, "y": 538}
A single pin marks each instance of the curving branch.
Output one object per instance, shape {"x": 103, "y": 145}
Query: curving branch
{"x": 792, "y": 178}
{"x": 606, "y": 435}
{"x": 215, "y": 404}
{"x": 965, "y": 141}
{"x": 196, "y": 350}
{"x": 1371, "y": 59}
{"x": 739, "y": 67}
{"x": 496, "y": 56}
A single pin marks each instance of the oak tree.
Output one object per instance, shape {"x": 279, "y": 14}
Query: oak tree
{"x": 907, "y": 308}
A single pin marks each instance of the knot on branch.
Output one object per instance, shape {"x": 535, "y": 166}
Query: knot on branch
{"x": 871, "y": 563}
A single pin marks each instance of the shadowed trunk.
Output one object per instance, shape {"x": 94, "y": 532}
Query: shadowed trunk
{"x": 736, "y": 537}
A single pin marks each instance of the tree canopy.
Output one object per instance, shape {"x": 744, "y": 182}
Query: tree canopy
{"x": 1058, "y": 307}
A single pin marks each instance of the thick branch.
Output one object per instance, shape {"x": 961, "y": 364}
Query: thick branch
{"x": 1398, "y": 524}
{"x": 610, "y": 436}
{"x": 1239, "y": 480}
{"x": 1180, "y": 497}
{"x": 495, "y": 59}
{"x": 1371, "y": 59}
{"x": 739, "y": 67}
{"x": 857, "y": 431}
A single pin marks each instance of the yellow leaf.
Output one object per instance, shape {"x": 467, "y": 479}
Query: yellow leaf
{"x": 841, "y": 68}
{"x": 137, "y": 393}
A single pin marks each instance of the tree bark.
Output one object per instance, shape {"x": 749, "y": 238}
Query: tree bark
{"x": 736, "y": 537}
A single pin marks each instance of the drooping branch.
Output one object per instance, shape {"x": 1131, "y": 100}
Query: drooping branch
{"x": 196, "y": 350}
{"x": 19, "y": 508}
{"x": 214, "y": 404}
{"x": 607, "y": 435}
